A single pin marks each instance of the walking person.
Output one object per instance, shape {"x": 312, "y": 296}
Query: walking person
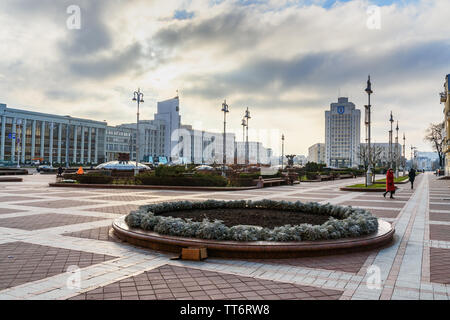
{"x": 390, "y": 187}
{"x": 60, "y": 171}
{"x": 412, "y": 176}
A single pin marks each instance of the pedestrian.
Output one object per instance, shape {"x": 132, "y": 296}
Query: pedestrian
{"x": 60, "y": 171}
{"x": 412, "y": 176}
{"x": 390, "y": 187}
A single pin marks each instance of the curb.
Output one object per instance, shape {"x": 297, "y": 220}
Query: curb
{"x": 124, "y": 186}
{"x": 256, "y": 249}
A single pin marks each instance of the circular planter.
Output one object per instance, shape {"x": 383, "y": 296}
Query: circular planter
{"x": 254, "y": 249}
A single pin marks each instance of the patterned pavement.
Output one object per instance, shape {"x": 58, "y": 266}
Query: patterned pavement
{"x": 56, "y": 244}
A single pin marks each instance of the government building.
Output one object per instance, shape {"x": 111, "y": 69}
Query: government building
{"x": 30, "y": 137}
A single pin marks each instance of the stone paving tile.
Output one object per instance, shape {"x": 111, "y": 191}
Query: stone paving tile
{"x": 224, "y": 196}
{"x": 440, "y": 207}
{"x": 22, "y": 262}
{"x": 182, "y": 283}
{"x": 294, "y": 199}
{"x": 101, "y": 233}
{"x": 439, "y": 232}
{"x": 439, "y": 216}
{"x": 44, "y": 221}
{"x": 315, "y": 195}
{"x": 168, "y": 193}
{"x": 17, "y": 198}
{"x": 375, "y": 204}
{"x": 385, "y": 213}
{"x": 350, "y": 262}
{"x": 72, "y": 194}
{"x": 123, "y": 209}
{"x": 440, "y": 265}
{"x": 123, "y": 198}
{"x": 8, "y": 211}
{"x": 58, "y": 204}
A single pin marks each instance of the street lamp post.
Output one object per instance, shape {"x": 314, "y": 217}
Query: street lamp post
{"x": 244, "y": 124}
{"x": 138, "y": 97}
{"x": 404, "y": 159}
{"x": 396, "y": 152}
{"x": 18, "y": 141}
{"x": 225, "y": 111}
{"x": 369, "y": 171}
{"x": 391, "y": 158}
{"x": 413, "y": 149}
{"x": 282, "y": 152}
{"x": 247, "y": 151}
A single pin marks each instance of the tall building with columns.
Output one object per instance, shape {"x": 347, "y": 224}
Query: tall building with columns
{"x": 50, "y": 138}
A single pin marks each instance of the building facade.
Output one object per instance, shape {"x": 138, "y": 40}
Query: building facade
{"x": 445, "y": 98}
{"x": 27, "y": 136}
{"x": 31, "y": 136}
{"x": 342, "y": 134}
{"x": 316, "y": 153}
{"x": 168, "y": 112}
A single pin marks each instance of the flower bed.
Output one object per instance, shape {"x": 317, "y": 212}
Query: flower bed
{"x": 344, "y": 222}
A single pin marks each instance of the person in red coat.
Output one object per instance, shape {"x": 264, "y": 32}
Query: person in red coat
{"x": 390, "y": 187}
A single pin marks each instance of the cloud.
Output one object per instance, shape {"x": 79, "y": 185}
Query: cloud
{"x": 285, "y": 59}
{"x": 125, "y": 61}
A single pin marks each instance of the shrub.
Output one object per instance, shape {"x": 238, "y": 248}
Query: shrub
{"x": 94, "y": 178}
{"x": 343, "y": 221}
{"x": 169, "y": 171}
{"x": 199, "y": 180}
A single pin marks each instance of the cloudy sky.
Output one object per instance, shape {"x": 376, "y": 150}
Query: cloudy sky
{"x": 286, "y": 60}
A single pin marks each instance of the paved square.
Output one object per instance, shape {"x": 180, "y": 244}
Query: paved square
{"x": 44, "y": 221}
{"x": 172, "y": 282}
{"x": 22, "y": 262}
{"x": 45, "y": 230}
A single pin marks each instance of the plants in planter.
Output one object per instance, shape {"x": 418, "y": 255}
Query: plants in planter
{"x": 94, "y": 178}
{"x": 197, "y": 179}
{"x": 343, "y": 222}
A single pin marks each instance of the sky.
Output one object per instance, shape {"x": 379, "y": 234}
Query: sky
{"x": 286, "y": 60}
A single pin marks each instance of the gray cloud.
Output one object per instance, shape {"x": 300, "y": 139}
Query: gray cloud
{"x": 230, "y": 29}
{"x": 325, "y": 70}
{"x": 123, "y": 62}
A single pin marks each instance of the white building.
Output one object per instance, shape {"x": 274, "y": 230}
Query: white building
{"x": 34, "y": 136}
{"x": 203, "y": 147}
{"x": 118, "y": 140}
{"x": 66, "y": 140}
{"x": 169, "y": 113}
{"x": 257, "y": 153}
{"x": 316, "y": 153}
{"x": 342, "y": 134}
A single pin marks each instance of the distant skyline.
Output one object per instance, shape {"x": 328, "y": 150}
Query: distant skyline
{"x": 286, "y": 60}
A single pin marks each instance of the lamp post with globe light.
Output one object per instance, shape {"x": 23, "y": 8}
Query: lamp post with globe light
{"x": 225, "y": 111}
{"x": 247, "y": 151}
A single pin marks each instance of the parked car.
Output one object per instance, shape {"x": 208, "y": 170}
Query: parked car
{"x": 45, "y": 169}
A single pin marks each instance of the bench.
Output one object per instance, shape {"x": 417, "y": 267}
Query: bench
{"x": 270, "y": 182}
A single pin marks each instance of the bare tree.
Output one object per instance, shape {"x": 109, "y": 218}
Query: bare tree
{"x": 435, "y": 134}
{"x": 375, "y": 156}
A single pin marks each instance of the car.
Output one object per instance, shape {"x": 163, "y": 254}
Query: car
{"x": 45, "y": 168}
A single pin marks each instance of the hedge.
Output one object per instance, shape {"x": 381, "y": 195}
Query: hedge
{"x": 343, "y": 222}
{"x": 94, "y": 178}
{"x": 199, "y": 180}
